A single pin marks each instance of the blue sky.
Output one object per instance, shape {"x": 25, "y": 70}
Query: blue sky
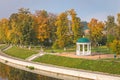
{"x": 86, "y": 9}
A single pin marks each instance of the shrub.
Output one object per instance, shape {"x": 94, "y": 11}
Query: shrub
{"x": 115, "y": 46}
{"x": 30, "y": 67}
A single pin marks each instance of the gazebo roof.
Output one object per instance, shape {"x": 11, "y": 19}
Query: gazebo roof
{"x": 83, "y": 40}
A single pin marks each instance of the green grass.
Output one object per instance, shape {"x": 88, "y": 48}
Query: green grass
{"x": 2, "y": 46}
{"x": 20, "y": 52}
{"x": 50, "y": 50}
{"x": 102, "y": 49}
{"x": 112, "y": 59}
{"x": 93, "y": 65}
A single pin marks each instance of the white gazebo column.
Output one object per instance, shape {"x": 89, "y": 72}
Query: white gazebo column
{"x": 88, "y": 48}
{"x": 78, "y": 50}
{"x": 83, "y": 53}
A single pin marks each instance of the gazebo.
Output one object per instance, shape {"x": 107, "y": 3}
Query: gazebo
{"x": 83, "y": 46}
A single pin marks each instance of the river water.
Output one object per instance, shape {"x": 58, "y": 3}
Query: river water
{"x": 10, "y": 73}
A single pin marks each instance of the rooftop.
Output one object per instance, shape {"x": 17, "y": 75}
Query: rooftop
{"x": 83, "y": 40}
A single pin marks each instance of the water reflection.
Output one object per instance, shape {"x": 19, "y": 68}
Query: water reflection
{"x": 10, "y": 73}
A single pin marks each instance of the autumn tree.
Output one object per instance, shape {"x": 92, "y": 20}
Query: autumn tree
{"x": 96, "y": 29}
{"x": 115, "y": 46}
{"x": 14, "y": 28}
{"x": 76, "y": 26}
{"x": 4, "y": 30}
{"x": 62, "y": 30}
{"x": 42, "y": 28}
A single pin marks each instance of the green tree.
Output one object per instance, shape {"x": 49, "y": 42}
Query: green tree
{"x": 22, "y": 29}
{"x": 52, "y": 19}
{"x": 110, "y": 28}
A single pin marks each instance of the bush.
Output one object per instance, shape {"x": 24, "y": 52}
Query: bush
{"x": 115, "y": 46}
{"x": 30, "y": 67}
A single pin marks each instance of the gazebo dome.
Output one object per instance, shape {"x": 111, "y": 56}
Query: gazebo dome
{"x": 83, "y": 40}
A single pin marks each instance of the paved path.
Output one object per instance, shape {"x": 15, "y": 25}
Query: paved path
{"x": 60, "y": 70}
{"x": 2, "y": 44}
{"x": 35, "y": 56}
{"x": 8, "y": 48}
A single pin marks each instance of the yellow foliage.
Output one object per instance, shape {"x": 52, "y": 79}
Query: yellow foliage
{"x": 115, "y": 46}
{"x": 42, "y": 28}
{"x": 96, "y": 29}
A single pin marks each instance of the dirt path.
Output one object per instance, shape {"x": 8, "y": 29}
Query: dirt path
{"x": 97, "y": 56}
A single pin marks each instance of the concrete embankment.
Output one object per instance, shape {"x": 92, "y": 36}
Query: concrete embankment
{"x": 56, "y": 72}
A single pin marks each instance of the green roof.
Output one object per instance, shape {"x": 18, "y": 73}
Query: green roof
{"x": 83, "y": 40}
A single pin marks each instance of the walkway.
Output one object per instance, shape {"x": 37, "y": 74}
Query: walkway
{"x": 35, "y": 56}
{"x": 7, "y": 48}
{"x": 97, "y": 56}
{"x": 58, "y": 72}
{"x": 1, "y": 44}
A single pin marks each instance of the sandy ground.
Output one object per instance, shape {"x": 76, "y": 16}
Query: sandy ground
{"x": 95, "y": 56}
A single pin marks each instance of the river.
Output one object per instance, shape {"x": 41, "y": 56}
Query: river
{"x": 10, "y": 73}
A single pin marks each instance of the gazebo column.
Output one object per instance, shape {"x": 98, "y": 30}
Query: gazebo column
{"x": 78, "y": 49}
{"x": 88, "y": 48}
{"x": 83, "y": 53}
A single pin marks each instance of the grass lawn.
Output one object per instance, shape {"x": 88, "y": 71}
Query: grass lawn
{"x": 3, "y": 46}
{"x": 102, "y": 49}
{"x": 112, "y": 59}
{"x": 93, "y": 65}
{"x": 50, "y": 50}
{"x": 20, "y": 52}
